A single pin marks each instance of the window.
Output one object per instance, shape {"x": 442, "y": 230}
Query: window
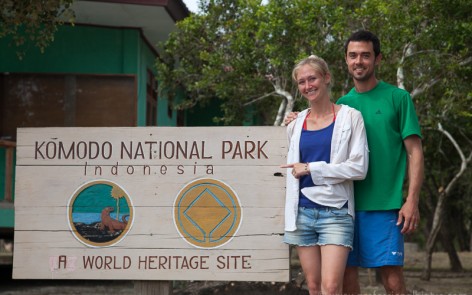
{"x": 151, "y": 99}
{"x": 58, "y": 100}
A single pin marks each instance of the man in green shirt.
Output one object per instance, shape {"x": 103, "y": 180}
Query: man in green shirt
{"x": 394, "y": 138}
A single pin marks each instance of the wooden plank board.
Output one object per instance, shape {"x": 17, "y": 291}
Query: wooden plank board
{"x": 194, "y": 203}
{"x": 172, "y": 146}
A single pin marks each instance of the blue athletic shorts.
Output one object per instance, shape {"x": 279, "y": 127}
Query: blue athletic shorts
{"x": 322, "y": 226}
{"x": 377, "y": 240}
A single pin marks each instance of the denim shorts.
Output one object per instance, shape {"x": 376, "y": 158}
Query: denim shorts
{"x": 378, "y": 240}
{"x": 322, "y": 226}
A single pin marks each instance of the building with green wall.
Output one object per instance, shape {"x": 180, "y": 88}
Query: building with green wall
{"x": 98, "y": 72}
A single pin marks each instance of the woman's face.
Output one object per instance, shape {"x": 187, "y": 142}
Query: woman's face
{"x": 311, "y": 84}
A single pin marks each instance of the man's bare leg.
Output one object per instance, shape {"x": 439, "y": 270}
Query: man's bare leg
{"x": 393, "y": 280}
{"x": 351, "y": 281}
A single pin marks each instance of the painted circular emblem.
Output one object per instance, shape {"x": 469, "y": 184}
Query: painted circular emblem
{"x": 207, "y": 213}
{"x": 100, "y": 213}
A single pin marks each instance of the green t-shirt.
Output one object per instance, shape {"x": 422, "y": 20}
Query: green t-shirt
{"x": 389, "y": 117}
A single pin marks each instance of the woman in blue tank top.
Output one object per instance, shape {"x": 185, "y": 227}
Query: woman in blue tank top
{"x": 327, "y": 151}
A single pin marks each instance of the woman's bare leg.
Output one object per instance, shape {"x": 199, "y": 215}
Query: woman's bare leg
{"x": 310, "y": 259}
{"x": 333, "y": 264}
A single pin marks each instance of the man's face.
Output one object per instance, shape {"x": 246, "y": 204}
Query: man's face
{"x": 361, "y": 61}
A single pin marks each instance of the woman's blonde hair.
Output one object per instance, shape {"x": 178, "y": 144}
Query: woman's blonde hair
{"x": 317, "y": 63}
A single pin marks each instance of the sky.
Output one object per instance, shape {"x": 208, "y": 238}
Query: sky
{"x": 192, "y": 5}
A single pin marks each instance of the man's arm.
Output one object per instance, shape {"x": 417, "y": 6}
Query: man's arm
{"x": 409, "y": 213}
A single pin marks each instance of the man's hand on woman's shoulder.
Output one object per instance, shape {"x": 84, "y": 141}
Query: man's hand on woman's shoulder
{"x": 290, "y": 117}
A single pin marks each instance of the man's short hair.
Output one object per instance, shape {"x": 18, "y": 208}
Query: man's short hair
{"x": 364, "y": 36}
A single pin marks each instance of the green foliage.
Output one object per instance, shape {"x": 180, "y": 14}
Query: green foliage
{"x": 33, "y": 21}
{"x": 243, "y": 48}
{"x": 235, "y": 51}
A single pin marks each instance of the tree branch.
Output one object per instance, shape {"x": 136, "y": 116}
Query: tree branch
{"x": 423, "y": 87}
{"x": 464, "y": 161}
{"x": 411, "y": 54}
{"x": 259, "y": 98}
{"x": 466, "y": 61}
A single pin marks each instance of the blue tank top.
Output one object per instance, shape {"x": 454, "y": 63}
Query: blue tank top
{"x": 315, "y": 145}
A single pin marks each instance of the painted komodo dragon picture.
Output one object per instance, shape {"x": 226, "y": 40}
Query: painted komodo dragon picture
{"x": 110, "y": 224}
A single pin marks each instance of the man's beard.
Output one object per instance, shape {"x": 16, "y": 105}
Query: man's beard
{"x": 363, "y": 78}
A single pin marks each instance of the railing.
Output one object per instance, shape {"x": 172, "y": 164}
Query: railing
{"x": 8, "y": 190}
{"x": 6, "y": 238}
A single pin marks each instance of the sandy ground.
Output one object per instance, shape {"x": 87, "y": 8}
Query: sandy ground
{"x": 442, "y": 282}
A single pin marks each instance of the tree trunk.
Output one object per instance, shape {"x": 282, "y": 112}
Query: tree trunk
{"x": 286, "y": 106}
{"x": 447, "y": 242}
{"x": 463, "y": 235}
{"x": 153, "y": 287}
{"x": 426, "y": 275}
{"x": 470, "y": 242}
{"x": 280, "y": 113}
{"x": 431, "y": 241}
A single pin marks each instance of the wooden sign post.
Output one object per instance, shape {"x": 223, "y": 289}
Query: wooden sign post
{"x": 149, "y": 204}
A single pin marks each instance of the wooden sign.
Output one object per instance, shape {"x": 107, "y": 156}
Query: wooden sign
{"x": 141, "y": 203}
